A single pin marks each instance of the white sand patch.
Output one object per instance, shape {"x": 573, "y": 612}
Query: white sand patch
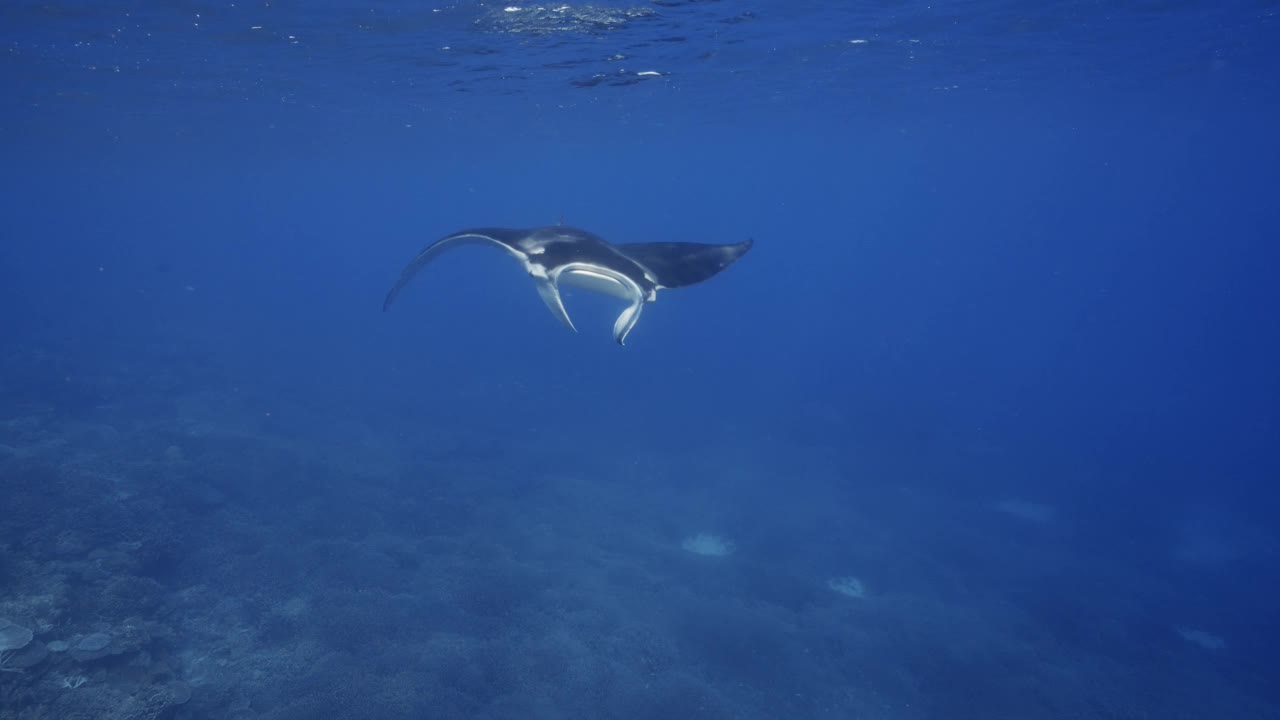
{"x": 849, "y": 586}
{"x": 1206, "y": 640}
{"x": 708, "y": 545}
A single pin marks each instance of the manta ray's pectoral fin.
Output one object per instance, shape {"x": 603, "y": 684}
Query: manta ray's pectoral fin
{"x": 679, "y": 264}
{"x": 626, "y": 321}
{"x": 551, "y": 296}
{"x": 502, "y": 237}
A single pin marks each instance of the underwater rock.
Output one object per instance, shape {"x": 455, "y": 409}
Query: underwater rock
{"x": 13, "y": 637}
{"x": 133, "y": 634}
{"x": 93, "y": 642}
{"x": 91, "y": 647}
{"x": 179, "y": 692}
{"x": 17, "y": 653}
{"x": 33, "y": 654}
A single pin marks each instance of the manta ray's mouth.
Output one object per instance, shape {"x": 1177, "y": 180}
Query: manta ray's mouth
{"x": 601, "y": 281}
{"x": 607, "y": 282}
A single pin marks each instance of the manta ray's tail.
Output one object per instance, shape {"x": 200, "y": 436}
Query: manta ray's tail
{"x": 677, "y": 264}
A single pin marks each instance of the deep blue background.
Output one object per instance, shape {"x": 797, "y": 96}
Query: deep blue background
{"x": 1095, "y": 281}
{"x": 1067, "y": 261}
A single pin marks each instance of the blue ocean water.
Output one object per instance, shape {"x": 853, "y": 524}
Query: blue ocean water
{"x": 984, "y": 426}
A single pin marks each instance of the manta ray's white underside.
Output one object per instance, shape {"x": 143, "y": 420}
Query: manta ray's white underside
{"x": 587, "y": 276}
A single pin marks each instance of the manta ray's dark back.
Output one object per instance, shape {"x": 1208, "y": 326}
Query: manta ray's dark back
{"x": 677, "y": 264}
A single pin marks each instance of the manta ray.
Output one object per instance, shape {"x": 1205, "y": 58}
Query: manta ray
{"x": 559, "y": 254}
